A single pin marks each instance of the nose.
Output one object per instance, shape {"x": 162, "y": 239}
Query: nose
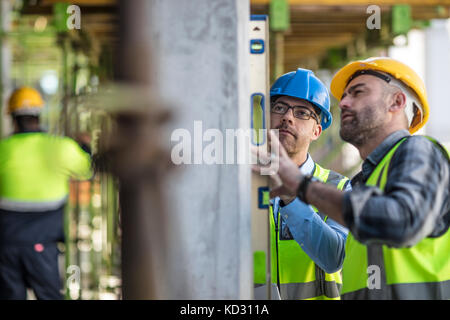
{"x": 288, "y": 116}
{"x": 345, "y": 103}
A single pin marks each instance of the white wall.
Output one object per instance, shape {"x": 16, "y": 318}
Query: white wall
{"x": 437, "y": 44}
{"x": 428, "y": 53}
{"x": 412, "y": 54}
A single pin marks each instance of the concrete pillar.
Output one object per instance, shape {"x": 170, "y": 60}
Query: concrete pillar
{"x": 200, "y": 64}
{"x": 437, "y": 39}
{"x": 133, "y": 152}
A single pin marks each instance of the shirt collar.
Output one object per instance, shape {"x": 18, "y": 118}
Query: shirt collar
{"x": 380, "y": 151}
{"x": 308, "y": 166}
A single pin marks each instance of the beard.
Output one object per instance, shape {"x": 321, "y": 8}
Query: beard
{"x": 363, "y": 126}
{"x": 289, "y": 142}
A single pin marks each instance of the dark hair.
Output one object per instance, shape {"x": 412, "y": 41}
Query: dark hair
{"x": 317, "y": 110}
{"x": 26, "y": 123}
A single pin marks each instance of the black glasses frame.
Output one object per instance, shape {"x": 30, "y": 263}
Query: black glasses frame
{"x": 310, "y": 114}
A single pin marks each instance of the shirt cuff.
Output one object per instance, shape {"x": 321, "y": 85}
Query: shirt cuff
{"x": 282, "y": 204}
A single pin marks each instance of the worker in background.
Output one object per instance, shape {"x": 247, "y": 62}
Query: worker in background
{"x": 307, "y": 247}
{"x": 398, "y": 212}
{"x": 35, "y": 168}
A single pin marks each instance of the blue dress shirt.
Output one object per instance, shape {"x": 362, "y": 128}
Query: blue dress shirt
{"x": 323, "y": 241}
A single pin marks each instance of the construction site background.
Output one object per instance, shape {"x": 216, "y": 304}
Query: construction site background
{"x": 127, "y": 75}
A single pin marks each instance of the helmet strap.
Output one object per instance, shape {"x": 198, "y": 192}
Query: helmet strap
{"x": 369, "y": 72}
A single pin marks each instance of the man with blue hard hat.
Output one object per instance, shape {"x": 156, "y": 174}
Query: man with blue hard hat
{"x": 398, "y": 213}
{"x": 307, "y": 248}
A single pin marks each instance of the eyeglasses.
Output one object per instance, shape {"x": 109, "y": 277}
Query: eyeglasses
{"x": 299, "y": 112}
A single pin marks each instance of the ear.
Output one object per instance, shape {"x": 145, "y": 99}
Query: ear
{"x": 317, "y": 131}
{"x": 398, "y": 102}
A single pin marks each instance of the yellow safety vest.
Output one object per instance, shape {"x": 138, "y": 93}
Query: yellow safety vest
{"x": 379, "y": 272}
{"x": 299, "y": 276}
{"x": 35, "y": 169}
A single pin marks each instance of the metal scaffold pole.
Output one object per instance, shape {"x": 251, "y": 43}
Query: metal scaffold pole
{"x": 5, "y": 61}
{"x": 186, "y": 235}
{"x": 138, "y": 161}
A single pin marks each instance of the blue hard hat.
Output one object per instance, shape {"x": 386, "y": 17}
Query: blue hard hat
{"x": 305, "y": 85}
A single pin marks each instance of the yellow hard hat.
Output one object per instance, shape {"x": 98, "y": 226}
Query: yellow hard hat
{"x": 398, "y": 70}
{"x": 25, "y": 101}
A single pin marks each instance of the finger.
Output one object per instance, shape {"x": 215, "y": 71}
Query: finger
{"x": 275, "y": 181}
{"x": 260, "y": 156}
{"x": 265, "y": 171}
{"x": 276, "y": 146}
{"x": 254, "y": 150}
{"x": 256, "y": 168}
{"x": 275, "y": 143}
{"x": 280, "y": 191}
{"x": 273, "y": 140}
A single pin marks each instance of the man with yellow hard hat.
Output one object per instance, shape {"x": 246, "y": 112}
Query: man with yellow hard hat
{"x": 398, "y": 213}
{"x": 35, "y": 168}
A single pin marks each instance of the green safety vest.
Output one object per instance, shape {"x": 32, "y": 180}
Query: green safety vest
{"x": 299, "y": 276}
{"x": 418, "y": 272}
{"x": 35, "y": 169}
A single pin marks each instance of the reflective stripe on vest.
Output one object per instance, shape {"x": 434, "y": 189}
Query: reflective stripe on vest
{"x": 300, "y": 277}
{"x": 378, "y": 272}
{"x": 31, "y": 206}
{"x": 405, "y": 291}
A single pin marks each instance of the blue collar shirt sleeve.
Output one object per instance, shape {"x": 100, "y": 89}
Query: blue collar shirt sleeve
{"x": 323, "y": 241}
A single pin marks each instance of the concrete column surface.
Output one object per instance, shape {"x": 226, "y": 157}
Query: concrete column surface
{"x": 200, "y": 65}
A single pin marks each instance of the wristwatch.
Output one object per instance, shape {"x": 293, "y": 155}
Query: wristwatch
{"x": 303, "y": 187}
